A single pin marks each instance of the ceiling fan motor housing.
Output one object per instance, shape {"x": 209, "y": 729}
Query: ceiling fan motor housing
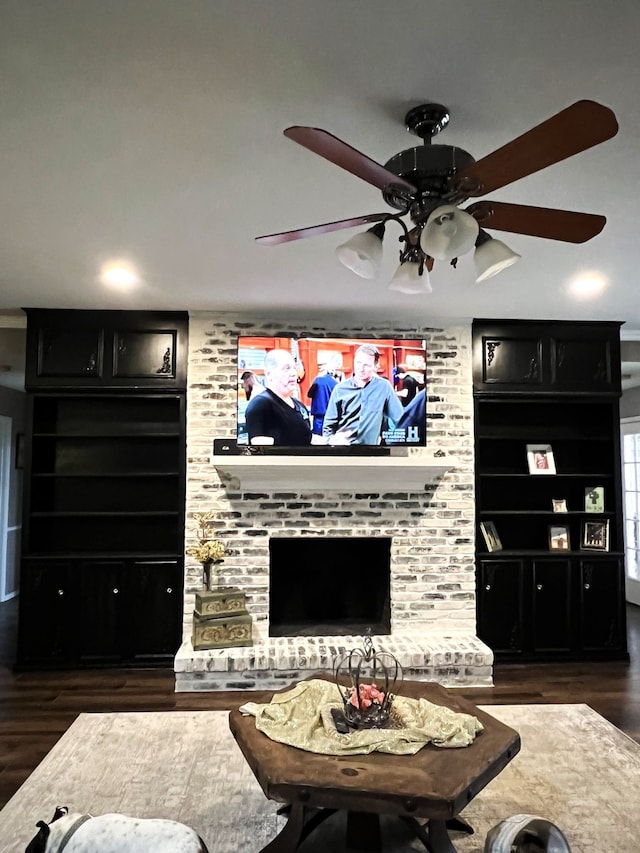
{"x": 428, "y": 168}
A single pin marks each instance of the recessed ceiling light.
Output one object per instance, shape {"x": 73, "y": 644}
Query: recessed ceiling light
{"x": 119, "y": 274}
{"x": 588, "y": 284}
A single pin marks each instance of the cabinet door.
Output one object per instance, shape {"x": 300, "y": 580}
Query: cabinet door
{"x": 155, "y": 608}
{"x": 508, "y": 362}
{"x": 602, "y": 616}
{"x": 500, "y": 605}
{"x": 144, "y": 354}
{"x": 551, "y": 610}
{"x": 46, "y": 612}
{"x": 586, "y": 360}
{"x": 100, "y": 623}
{"x": 64, "y": 353}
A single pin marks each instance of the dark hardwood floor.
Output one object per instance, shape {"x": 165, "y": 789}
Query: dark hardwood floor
{"x": 37, "y": 708}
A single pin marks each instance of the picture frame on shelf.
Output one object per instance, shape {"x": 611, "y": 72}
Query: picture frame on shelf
{"x": 559, "y": 537}
{"x": 490, "y": 535}
{"x": 540, "y": 459}
{"x": 595, "y": 535}
{"x": 559, "y": 505}
{"x": 594, "y": 499}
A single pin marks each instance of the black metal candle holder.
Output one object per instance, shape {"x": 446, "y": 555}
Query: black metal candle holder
{"x": 371, "y": 678}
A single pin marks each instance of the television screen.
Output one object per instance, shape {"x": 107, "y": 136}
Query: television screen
{"x": 303, "y": 391}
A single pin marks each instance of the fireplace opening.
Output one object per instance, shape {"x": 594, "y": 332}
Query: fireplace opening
{"x": 329, "y": 586}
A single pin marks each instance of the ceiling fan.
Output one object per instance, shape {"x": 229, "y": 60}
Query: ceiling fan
{"x": 430, "y": 182}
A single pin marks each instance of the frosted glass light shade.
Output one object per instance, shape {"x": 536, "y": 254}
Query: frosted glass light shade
{"x": 449, "y": 233}
{"x": 362, "y": 254}
{"x": 492, "y": 257}
{"x": 407, "y": 279}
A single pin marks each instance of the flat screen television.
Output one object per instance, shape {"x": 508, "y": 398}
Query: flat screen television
{"x": 308, "y": 393}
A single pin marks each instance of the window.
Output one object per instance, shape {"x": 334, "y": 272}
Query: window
{"x": 631, "y": 485}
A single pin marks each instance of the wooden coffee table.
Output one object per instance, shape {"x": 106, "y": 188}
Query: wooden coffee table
{"x": 434, "y": 783}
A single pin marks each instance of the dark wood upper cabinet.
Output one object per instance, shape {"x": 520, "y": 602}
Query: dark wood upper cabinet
{"x": 110, "y": 349}
{"x": 545, "y": 356}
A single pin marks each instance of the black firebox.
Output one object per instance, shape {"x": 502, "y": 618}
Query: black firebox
{"x": 329, "y": 586}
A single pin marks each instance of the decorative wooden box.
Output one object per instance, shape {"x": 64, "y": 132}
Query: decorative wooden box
{"x": 221, "y": 620}
{"x": 224, "y": 601}
{"x": 221, "y": 632}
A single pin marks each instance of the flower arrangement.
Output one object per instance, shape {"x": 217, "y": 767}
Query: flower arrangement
{"x": 207, "y": 551}
{"x": 365, "y": 696}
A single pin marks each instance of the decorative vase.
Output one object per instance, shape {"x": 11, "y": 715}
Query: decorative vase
{"x": 209, "y": 578}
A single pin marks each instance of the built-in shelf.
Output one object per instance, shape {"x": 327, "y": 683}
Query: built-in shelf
{"x": 371, "y": 473}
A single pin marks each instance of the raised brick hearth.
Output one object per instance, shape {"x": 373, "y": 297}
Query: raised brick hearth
{"x": 453, "y": 661}
{"x": 431, "y": 525}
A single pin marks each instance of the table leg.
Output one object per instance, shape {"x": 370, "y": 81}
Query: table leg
{"x": 287, "y": 840}
{"x": 438, "y": 835}
{"x": 435, "y": 833}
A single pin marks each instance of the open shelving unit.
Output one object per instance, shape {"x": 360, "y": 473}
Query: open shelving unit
{"x": 103, "y": 462}
{"x": 585, "y": 448}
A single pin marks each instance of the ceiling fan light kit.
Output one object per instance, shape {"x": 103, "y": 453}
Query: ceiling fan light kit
{"x": 410, "y": 279}
{"x": 362, "y": 254}
{"x": 492, "y": 256}
{"x": 449, "y": 233}
{"x": 429, "y": 183}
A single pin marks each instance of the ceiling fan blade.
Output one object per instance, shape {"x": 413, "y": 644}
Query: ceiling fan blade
{"x": 569, "y": 132}
{"x": 314, "y": 230}
{"x": 338, "y": 152}
{"x": 566, "y": 225}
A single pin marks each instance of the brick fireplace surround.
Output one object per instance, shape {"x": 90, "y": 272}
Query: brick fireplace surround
{"x": 433, "y": 611}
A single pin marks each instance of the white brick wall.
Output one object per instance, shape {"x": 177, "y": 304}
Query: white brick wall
{"x": 432, "y": 555}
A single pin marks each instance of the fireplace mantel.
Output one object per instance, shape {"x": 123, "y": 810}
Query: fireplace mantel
{"x": 407, "y": 473}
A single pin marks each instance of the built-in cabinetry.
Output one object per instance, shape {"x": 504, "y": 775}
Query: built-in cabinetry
{"x": 103, "y": 520}
{"x": 547, "y": 589}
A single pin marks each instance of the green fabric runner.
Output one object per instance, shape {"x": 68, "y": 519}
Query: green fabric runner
{"x": 301, "y": 717}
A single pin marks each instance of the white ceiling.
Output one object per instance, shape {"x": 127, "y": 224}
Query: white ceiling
{"x": 152, "y": 129}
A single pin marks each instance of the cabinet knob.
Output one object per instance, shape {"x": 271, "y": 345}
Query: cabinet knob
{"x": 169, "y": 590}
{"x": 587, "y": 586}
{"x": 116, "y": 590}
{"x": 60, "y": 592}
{"x": 539, "y": 587}
{"x": 488, "y": 587}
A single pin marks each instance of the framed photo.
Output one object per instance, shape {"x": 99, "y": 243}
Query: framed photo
{"x": 594, "y": 499}
{"x": 540, "y": 459}
{"x": 559, "y": 539}
{"x": 595, "y": 535}
{"x": 490, "y": 535}
{"x": 559, "y": 504}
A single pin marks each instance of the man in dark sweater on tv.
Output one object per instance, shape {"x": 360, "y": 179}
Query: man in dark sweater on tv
{"x": 276, "y": 417}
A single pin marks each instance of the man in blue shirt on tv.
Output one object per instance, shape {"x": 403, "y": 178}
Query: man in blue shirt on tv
{"x": 357, "y": 406}
{"x": 320, "y": 393}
